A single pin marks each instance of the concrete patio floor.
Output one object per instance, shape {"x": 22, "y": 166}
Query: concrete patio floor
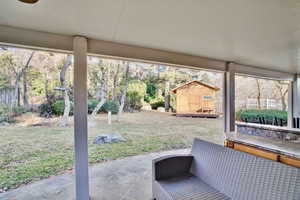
{"x": 124, "y": 179}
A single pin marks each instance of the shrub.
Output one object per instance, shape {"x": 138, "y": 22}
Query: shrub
{"x": 92, "y": 103}
{"x": 58, "y": 107}
{"x": 7, "y": 114}
{"x": 45, "y": 110}
{"x": 253, "y": 115}
{"x": 110, "y": 105}
{"x": 133, "y": 101}
{"x": 157, "y": 104}
{"x": 135, "y": 95}
{"x": 19, "y": 110}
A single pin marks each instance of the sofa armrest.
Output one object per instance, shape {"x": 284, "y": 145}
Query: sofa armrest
{"x": 171, "y": 166}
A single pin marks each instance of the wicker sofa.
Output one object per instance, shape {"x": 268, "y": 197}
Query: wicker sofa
{"x": 214, "y": 172}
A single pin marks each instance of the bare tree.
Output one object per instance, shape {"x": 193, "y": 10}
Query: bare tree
{"x": 25, "y": 91}
{"x": 18, "y": 75}
{"x": 283, "y": 90}
{"x": 124, "y": 91}
{"x": 102, "y": 94}
{"x": 63, "y": 86}
{"x": 115, "y": 83}
{"x": 259, "y": 88}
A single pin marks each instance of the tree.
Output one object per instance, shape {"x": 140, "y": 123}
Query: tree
{"x": 167, "y": 95}
{"x": 124, "y": 91}
{"x": 18, "y": 69}
{"x": 259, "y": 88}
{"x": 282, "y": 90}
{"x": 115, "y": 83}
{"x": 102, "y": 92}
{"x": 63, "y": 86}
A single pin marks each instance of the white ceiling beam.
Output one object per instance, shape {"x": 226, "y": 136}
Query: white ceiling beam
{"x": 35, "y": 39}
{"x": 153, "y": 55}
{"x": 260, "y": 72}
{"x": 48, "y": 41}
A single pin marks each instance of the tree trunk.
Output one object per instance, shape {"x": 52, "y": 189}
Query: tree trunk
{"x": 258, "y": 93}
{"x": 102, "y": 91}
{"x": 167, "y": 96}
{"x": 123, "y": 95}
{"x": 284, "y": 106}
{"x": 46, "y": 87}
{"x": 16, "y": 101}
{"x": 114, "y": 93}
{"x": 25, "y": 91}
{"x": 65, "y": 119}
{"x": 18, "y": 77}
{"x": 109, "y": 117}
{"x": 282, "y": 92}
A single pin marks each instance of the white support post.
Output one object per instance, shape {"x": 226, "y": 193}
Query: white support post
{"x": 290, "y": 110}
{"x": 229, "y": 101}
{"x": 80, "y": 118}
{"x": 296, "y": 96}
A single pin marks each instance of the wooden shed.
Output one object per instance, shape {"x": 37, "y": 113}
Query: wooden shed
{"x": 196, "y": 98}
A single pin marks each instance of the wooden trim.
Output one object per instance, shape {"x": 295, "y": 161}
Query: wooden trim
{"x": 258, "y": 152}
{"x": 289, "y": 161}
{"x": 263, "y": 153}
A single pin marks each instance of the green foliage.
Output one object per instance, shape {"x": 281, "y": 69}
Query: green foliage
{"x": 92, "y": 104}
{"x": 252, "y": 115}
{"x": 45, "y": 110}
{"x": 150, "y": 92}
{"x": 58, "y": 107}
{"x": 135, "y": 95}
{"x": 19, "y": 110}
{"x": 110, "y": 105}
{"x": 8, "y": 114}
{"x": 157, "y": 104}
{"x": 4, "y": 114}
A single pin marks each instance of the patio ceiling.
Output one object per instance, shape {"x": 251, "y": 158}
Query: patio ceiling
{"x": 253, "y": 32}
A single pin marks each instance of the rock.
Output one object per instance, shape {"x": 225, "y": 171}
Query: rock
{"x": 146, "y": 107}
{"x": 161, "y": 109}
{"x": 108, "y": 138}
{"x": 4, "y": 124}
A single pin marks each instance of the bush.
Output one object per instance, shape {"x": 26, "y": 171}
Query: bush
{"x": 7, "y": 114}
{"x": 4, "y": 114}
{"x": 92, "y": 103}
{"x": 19, "y": 110}
{"x": 58, "y": 107}
{"x": 135, "y": 95}
{"x": 110, "y": 105}
{"x": 253, "y": 115}
{"x": 45, "y": 110}
{"x": 157, "y": 104}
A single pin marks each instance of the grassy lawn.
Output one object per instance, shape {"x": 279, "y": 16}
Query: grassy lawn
{"x": 29, "y": 153}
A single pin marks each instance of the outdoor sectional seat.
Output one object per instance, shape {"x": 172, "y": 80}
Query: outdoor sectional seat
{"x": 214, "y": 172}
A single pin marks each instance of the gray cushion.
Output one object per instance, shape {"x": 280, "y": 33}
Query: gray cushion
{"x": 242, "y": 176}
{"x": 189, "y": 187}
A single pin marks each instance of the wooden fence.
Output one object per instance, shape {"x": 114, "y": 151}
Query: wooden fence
{"x": 6, "y": 96}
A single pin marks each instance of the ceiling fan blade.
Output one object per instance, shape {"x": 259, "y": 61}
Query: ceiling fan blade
{"x": 29, "y": 1}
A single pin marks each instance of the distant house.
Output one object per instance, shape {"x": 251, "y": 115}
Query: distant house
{"x": 196, "y": 98}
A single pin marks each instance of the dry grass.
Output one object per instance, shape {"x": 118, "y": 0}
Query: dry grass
{"x": 29, "y": 153}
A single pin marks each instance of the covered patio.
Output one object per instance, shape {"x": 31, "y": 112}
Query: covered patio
{"x": 251, "y": 38}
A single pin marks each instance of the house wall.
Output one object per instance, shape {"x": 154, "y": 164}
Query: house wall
{"x": 190, "y": 99}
